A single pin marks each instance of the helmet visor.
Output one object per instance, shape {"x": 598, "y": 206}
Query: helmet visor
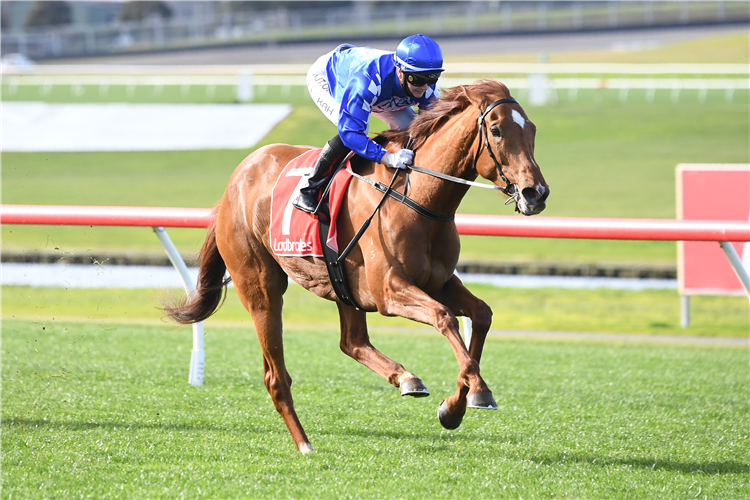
{"x": 420, "y": 79}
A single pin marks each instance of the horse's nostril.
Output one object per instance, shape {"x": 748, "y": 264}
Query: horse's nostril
{"x": 535, "y": 195}
{"x": 530, "y": 195}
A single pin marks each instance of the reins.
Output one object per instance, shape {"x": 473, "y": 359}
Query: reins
{"x": 402, "y": 198}
{"x": 385, "y": 189}
{"x": 459, "y": 180}
{"x": 509, "y": 189}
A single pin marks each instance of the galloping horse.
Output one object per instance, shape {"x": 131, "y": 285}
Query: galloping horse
{"x": 403, "y": 265}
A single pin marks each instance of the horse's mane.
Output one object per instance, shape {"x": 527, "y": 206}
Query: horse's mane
{"x": 431, "y": 119}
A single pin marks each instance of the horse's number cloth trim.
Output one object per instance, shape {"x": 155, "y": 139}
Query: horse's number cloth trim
{"x": 294, "y": 233}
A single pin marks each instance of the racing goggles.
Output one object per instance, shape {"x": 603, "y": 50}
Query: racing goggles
{"x": 420, "y": 79}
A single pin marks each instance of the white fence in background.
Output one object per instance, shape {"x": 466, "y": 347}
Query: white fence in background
{"x": 545, "y": 79}
{"x": 207, "y": 23}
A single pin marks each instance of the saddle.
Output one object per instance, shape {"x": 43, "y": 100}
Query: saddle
{"x": 295, "y": 233}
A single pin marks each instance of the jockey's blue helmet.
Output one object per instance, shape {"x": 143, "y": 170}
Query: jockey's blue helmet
{"x": 419, "y": 54}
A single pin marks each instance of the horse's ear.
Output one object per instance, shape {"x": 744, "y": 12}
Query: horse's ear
{"x": 476, "y": 97}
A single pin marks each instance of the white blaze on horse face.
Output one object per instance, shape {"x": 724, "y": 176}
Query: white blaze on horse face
{"x": 520, "y": 120}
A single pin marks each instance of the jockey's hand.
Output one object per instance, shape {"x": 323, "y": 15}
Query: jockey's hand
{"x": 401, "y": 159}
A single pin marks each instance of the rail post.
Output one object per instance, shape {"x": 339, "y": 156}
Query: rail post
{"x": 684, "y": 311}
{"x": 198, "y": 355}
{"x": 737, "y": 265}
{"x": 244, "y": 90}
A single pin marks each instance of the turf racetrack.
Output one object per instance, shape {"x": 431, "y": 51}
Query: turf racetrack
{"x": 103, "y": 409}
{"x": 97, "y": 404}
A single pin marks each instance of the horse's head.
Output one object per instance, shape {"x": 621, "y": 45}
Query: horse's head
{"x": 508, "y": 135}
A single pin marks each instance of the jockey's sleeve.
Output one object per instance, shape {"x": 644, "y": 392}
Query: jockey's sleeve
{"x": 354, "y": 115}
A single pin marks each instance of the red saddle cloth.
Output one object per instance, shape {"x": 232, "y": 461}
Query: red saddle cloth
{"x": 294, "y": 233}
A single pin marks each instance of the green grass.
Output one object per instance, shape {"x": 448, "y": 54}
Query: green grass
{"x": 601, "y": 159}
{"x": 148, "y": 94}
{"x": 733, "y": 49}
{"x": 653, "y": 311}
{"x": 103, "y": 410}
{"x": 96, "y": 402}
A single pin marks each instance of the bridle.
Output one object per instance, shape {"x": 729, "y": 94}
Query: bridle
{"x": 334, "y": 261}
{"x": 509, "y": 189}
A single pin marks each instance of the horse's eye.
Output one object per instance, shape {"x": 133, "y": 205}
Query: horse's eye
{"x": 496, "y": 131}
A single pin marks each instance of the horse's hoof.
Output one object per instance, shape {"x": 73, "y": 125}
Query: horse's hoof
{"x": 305, "y": 448}
{"x": 413, "y": 387}
{"x": 446, "y": 419}
{"x": 481, "y": 400}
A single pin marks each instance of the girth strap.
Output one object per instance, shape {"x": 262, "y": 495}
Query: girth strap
{"x": 334, "y": 263}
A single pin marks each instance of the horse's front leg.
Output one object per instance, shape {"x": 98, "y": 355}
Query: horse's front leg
{"x": 355, "y": 342}
{"x": 402, "y": 298}
{"x": 463, "y": 303}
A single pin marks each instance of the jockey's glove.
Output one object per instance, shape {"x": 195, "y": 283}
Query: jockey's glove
{"x": 401, "y": 159}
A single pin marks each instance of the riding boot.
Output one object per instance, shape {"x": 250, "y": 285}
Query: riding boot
{"x": 330, "y": 158}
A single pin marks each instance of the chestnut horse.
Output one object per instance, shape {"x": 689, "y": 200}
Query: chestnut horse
{"x": 403, "y": 265}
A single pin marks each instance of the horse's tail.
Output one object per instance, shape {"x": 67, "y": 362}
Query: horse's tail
{"x": 210, "y": 290}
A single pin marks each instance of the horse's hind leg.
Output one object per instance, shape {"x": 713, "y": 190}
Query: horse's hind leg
{"x": 260, "y": 290}
{"x": 355, "y": 342}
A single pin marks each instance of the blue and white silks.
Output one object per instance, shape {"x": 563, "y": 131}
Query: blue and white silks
{"x": 349, "y": 83}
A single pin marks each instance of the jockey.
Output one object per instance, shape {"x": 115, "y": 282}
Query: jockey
{"x": 349, "y": 83}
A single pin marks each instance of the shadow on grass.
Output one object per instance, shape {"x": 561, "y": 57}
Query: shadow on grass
{"x": 376, "y": 434}
{"x": 431, "y": 436}
{"x": 20, "y": 423}
{"x": 710, "y": 468}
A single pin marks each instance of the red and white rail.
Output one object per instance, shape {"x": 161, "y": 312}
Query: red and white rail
{"x": 154, "y": 217}
{"x": 105, "y": 216}
{"x": 484, "y": 225}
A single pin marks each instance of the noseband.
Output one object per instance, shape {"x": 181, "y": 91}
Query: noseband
{"x": 509, "y": 189}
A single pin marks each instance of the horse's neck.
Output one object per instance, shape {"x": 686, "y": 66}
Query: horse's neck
{"x": 449, "y": 151}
